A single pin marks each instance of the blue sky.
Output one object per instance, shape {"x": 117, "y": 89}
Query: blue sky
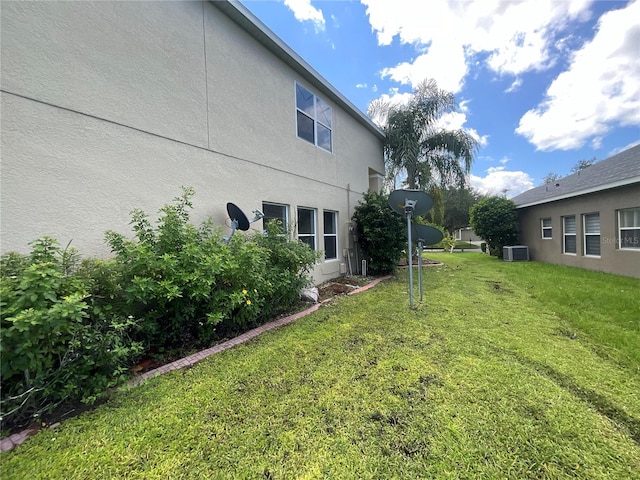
{"x": 542, "y": 84}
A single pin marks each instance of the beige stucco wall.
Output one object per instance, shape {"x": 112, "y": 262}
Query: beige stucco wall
{"x": 111, "y": 106}
{"x": 612, "y": 259}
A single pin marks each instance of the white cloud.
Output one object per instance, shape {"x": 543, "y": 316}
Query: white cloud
{"x": 517, "y": 83}
{"x": 499, "y": 181}
{"x": 622, "y": 149}
{"x": 456, "y": 121}
{"x": 440, "y": 53}
{"x": 304, "y": 11}
{"x": 518, "y": 36}
{"x": 361, "y": 85}
{"x": 598, "y": 91}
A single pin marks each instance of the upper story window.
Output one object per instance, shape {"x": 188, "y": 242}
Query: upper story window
{"x": 313, "y": 119}
{"x": 569, "y": 233}
{"x": 307, "y": 226}
{"x": 545, "y": 225}
{"x": 591, "y": 223}
{"x": 278, "y": 212}
{"x": 629, "y": 228}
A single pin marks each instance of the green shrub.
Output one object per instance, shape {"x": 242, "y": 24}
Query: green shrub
{"x": 381, "y": 232}
{"x": 59, "y": 340}
{"x": 289, "y": 265}
{"x": 180, "y": 281}
{"x": 494, "y": 219}
{"x": 71, "y": 329}
{"x": 483, "y": 247}
{"x": 187, "y": 285}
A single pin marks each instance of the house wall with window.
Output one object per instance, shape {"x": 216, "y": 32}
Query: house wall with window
{"x": 111, "y": 106}
{"x": 598, "y": 231}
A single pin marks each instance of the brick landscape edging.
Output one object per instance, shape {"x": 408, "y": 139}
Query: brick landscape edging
{"x": 17, "y": 438}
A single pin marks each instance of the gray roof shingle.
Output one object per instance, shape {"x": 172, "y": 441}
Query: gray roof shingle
{"x": 621, "y": 169}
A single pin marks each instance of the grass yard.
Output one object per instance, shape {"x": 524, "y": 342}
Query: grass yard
{"x": 507, "y": 370}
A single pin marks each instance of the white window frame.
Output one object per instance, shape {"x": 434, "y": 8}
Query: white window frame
{"x": 315, "y": 118}
{"x": 565, "y": 235}
{"x": 267, "y": 217}
{"x": 544, "y": 228}
{"x": 313, "y": 235}
{"x": 586, "y": 234}
{"x": 635, "y": 227}
{"x": 330, "y": 235}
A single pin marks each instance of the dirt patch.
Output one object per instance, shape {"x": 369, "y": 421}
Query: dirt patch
{"x": 341, "y": 286}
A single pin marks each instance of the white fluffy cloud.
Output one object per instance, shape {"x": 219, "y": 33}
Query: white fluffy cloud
{"x": 599, "y": 90}
{"x": 518, "y": 36}
{"x": 499, "y": 181}
{"x": 304, "y": 11}
{"x": 456, "y": 121}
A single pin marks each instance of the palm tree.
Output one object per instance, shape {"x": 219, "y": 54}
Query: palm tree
{"x": 431, "y": 156}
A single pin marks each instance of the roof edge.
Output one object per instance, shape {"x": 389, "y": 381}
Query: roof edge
{"x": 608, "y": 186}
{"x": 256, "y": 28}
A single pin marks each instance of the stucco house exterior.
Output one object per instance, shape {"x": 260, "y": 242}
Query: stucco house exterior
{"x": 590, "y": 219}
{"x": 111, "y": 106}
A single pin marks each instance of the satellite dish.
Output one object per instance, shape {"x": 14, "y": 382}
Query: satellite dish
{"x": 414, "y": 202}
{"x": 411, "y": 203}
{"x": 236, "y": 215}
{"x": 239, "y": 220}
{"x": 425, "y": 234}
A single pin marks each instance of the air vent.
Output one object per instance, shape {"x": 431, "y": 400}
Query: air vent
{"x": 515, "y": 253}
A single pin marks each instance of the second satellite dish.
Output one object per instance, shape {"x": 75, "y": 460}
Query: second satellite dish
{"x": 425, "y": 234}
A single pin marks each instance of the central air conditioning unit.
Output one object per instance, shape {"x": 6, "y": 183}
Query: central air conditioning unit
{"x": 515, "y": 253}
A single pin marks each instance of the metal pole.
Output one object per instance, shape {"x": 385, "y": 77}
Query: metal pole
{"x": 410, "y": 260}
{"x": 420, "y": 267}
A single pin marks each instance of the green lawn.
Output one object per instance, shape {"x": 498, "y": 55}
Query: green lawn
{"x": 507, "y": 370}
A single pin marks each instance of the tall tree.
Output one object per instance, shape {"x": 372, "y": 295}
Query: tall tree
{"x": 457, "y": 203}
{"x": 417, "y": 145}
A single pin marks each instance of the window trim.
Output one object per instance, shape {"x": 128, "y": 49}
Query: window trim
{"x": 314, "y": 223}
{"x": 316, "y": 121}
{"x": 620, "y": 229}
{"x": 565, "y": 235}
{"x": 286, "y": 216}
{"x": 586, "y": 234}
{"x": 334, "y": 235}
{"x": 543, "y": 229}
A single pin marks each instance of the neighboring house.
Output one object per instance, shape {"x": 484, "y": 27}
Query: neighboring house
{"x": 590, "y": 219}
{"x": 467, "y": 234}
{"x": 112, "y": 106}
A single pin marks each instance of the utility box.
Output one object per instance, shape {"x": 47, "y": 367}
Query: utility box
{"x": 515, "y": 253}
